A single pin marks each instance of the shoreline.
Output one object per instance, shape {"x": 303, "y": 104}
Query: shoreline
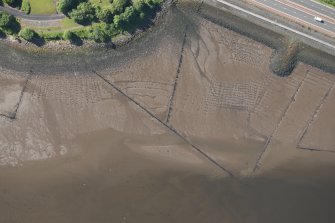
{"x": 66, "y": 46}
{"x": 284, "y": 60}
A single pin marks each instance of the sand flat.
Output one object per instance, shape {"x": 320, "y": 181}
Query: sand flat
{"x": 168, "y": 128}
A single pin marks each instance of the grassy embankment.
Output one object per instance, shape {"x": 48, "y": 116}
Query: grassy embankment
{"x": 98, "y": 20}
{"x": 328, "y": 2}
{"x": 42, "y": 7}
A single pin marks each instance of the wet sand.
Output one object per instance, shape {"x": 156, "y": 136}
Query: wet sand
{"x": 186, "y": 124}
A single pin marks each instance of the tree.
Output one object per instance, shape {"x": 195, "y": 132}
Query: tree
{"x": 9, "y": 23}
{"x": 25, "y": 7}
{"x": 125, "y": 18}
{"x": 118, "y": 6}
{"x": 153, "y": 3}
{"x": 1, "y": 3}
{"x": 27, "y": 34}
{"x": 84, "y": 13}
{"x": 65, "y": 6}
{"x": 100, "y": 33}
{"x": 104, "y": 14}
{"x": 139, "y": 5}
{"x": 2, "y": 33}
{"x": 12, "y": 2}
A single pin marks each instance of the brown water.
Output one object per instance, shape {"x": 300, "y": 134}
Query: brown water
{"x": 182, "y": 125}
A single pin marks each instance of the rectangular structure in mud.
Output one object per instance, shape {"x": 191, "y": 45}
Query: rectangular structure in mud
{"x": 186, "y": 124}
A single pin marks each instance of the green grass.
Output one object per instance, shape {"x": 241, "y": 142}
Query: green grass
{"x": 68, "y": 23}
{"x": 65, "y": 24}
{"x": 328, "y": 2}
{"x": 42, "y": 7}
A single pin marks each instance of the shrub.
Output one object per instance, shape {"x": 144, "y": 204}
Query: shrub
{"x": 54, "y": 35}
{"x": 124, "y": 19}
{"x": 99, "y": 34}
{"x": 13, "y": 3}
{"x": 65, "y": 6}
{"x": 330, "y": 2}
{"x": 84, "y": 13}
{"x": 2, "y": 33}
{"x": 27, "y": 34}
{"x": 25, "y": 7}
{"x": 83, "y": 32}
{"x": 104, "y": 14}
{"x": 9, "y": 23}
{"x": 139, "y": 5}
{"x": 1, "y": 3}
{"x": 153, "y": 3}
{"x": 118, "y": 6}
{"x": 68, "y": 35}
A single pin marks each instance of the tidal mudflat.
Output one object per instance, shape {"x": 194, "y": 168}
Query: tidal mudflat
{"x": 186, "y": 124}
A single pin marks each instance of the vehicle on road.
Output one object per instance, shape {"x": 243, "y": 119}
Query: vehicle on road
{"x": 318, "y": 19}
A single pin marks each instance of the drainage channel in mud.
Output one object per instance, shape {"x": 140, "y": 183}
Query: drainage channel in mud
{"x": 153, "y": 132}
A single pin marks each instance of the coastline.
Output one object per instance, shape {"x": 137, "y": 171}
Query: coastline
{"x": 66, "y": 46}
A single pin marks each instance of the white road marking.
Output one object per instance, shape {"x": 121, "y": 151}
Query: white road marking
{"x": 278, "y": 24}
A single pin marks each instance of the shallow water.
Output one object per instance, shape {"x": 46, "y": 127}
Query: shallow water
{"x": 181, "y": 125}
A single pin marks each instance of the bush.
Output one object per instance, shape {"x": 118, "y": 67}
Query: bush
{"x": 9, "y": 23}
{"x": 2, "y": 33}
{"x": 118, "y": 6}
{"x": 139, "y": 5}
{"x": 25, "y": 7}
{"x": 68, "y": 35}
{"x": 65, "y": 6}
{"x": 54, "y": 35}
{"x": 13, "y": 3}
{"x": 104, "y": 14}
{"x": 83, "y": 33}
{"x": 1, "y": 3}
{"x": 123, "y": 20}
{"x": 83, "y": 14}
{"x": 27, "y": 34}
{"x": 330, "y": 2}
{"x": 99, "y": 34}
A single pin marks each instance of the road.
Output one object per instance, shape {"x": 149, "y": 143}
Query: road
{"x": 22, "y": 15}
{"x": 317, "y": 7}
{"x": 275, "y": 23}
{"x": 303, "y": 13}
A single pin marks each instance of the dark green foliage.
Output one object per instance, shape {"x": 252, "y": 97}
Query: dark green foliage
{"x": 330, "y": 2}
{"x": 1, "y": 3}
{"x": 2, "y": 33}
{"x": 9, "y": 23}
{"x": 27, "y": 34}
{"x": 25, "y": 7}
{"x": 118, "y": 6}
{"x": 100, "y": 33}
{"x": 51, "y": 35}
{"x": 13, "y": 3}
{"x": 68, "y": 35}
{"x": 124, "y": 19}
{"x": 106, "y": 21}
{"x": 104, "y": 14}
{"x": 65, "y": 6}
{"x": 84, "y": 13}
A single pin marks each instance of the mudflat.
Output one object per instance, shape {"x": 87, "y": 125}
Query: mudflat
{"x": 186, "y": 124}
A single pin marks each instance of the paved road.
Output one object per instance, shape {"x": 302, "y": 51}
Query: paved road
{"x": 299, "y": 15}
{"x": 316, "y": 7}
{"x": 22, "y": 15}
{"x": 305, "y": 35}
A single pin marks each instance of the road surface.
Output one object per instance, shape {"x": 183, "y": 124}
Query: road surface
{"x": 302, "y": 15}
{"x": 22, "y": 15}
{"x": 316, "y": 7}
{"x": 275, "y": 23}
